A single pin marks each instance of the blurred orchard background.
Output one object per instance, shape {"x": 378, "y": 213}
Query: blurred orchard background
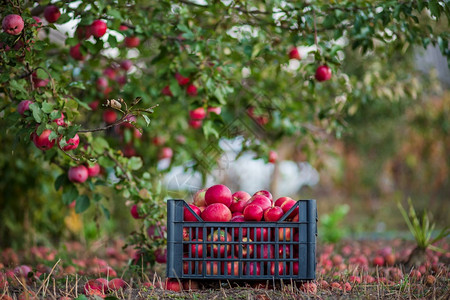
{"x": 377, "y": 132}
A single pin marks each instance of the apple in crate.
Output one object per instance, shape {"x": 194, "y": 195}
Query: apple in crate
{"x": 188, "y": 216}
{"x": 253, "y": 268}
{"x": 253, "y": 212}
{"x": 264, "y": 193}
{"x": 261, "y": 201}
{"x": 265, "y": 251}
{"x": 212, "y": 268}
{"x": 262, "y": 234}
{"x": 218, "y": 194}
{"x": 285, "y": 234}
{"x": 219, "y": 248}
{"x": 247, "y": 248}
{"x": 273, "y": 214}
{"x": 231, "y": 266}
{"x": 197, "y": 248}
{"x": 216, "y": 212}
{"x": 236, "y": 229}
{"x": 239, "y": 201}
{"x": 199, "y": 198}
{"x": 277, "y": 268}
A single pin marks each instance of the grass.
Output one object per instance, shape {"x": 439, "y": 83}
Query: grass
{"x": 390, "y": 282}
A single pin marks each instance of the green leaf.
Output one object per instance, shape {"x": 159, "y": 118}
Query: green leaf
{"x": 99, "y": 145}
{"x": 135, "y": 163}
{"x": 71, "y": 41}
{"x": 47, "y": 107}
{"x": 81, "y": 297}
{"x": 114, "y": 13}
{"x": 435, "y": 8}
{"x": 70, "y": 193}
{"x": 37, "y": 112}
{"x": 105, "y": 211}
{"x": 60, "y": 181}
{"x": 82, "y": 204}
{"x": 208, "y": 129}
{"x": 106, "y": 162}
{"x": 146, "y": 118}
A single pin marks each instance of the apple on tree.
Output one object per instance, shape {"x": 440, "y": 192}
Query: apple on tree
{"x": 12, "y": 24}
{"x": 323, "y": 73}
{"x": 52, "y": 13}
{"x": 78, "y": 174}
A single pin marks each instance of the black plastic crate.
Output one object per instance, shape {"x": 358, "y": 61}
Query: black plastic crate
{"x": 242, "y": 250}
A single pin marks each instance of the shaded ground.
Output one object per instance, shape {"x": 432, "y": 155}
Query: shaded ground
{"x": 346, "y": 271}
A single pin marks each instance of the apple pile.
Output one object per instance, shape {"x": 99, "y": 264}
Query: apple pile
{"x": 218, "y": 204}
{"x": 231, "y": 244}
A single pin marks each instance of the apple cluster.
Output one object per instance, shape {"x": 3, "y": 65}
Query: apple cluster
{"x": 245, "y": 249}
{"x": 218, "y": 204}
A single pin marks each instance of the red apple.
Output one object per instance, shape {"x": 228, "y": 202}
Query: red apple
{"x": 12, "y": 24}
{"x": 282, "y": 200}
{"x": 109, "y": 116}
{"x": 253, "y": 268}
{"x": 158, "y": 140}
{"x": 273, "y": 214}
{"x": 195, "y": 124}
{"x": 188, "y": 216}
{"x": 286, "y": 206}
{"x": 231, "y": 266}
{"x": 135, "y": 213}
{"x": 110, "y": 73}
{"x": 52, "y": 13}
{"x": 132, "y": 41}
{"x": 212, "y": 268}
{"x": 76, "y": 53}
{"x": 199, "y": 197}
{"x": 273, "y": 156}
{"x": 165, "y": 152}
{"x": 218, "y": 194}
{"x": 42, "y": 141}
{"x": 166, "y": 91}
{"x": 39, "y": 82}
{"x": 219, "y": 248}
{"x": 23, "y": 106}
{"x": 60, "y": 121}
{"x": 83, "y": 32}
{"x": 94, "y": 170}
{"x": 94, "y": 104}
{"x": 323, "y": 73}
{"x": 215, "y": 110}
{"x": 239, "y": 201}
{"x": 71, "y": 143}
{"x": 181, "y": 79}
{"x": 216, "y": 212}
{"x": 278, "y": 268}
{"x": 38, "y": 23}
{"x": 129, "y": 151}
{"x": 236, "y": 229}
{"x": 294, "y": 54}
{"x": 265, "y": 251}
{"x": 92, "y": 285}
{"x": 253, "y": 212}
{"x": 161, "y": 256}
{"x": 284, "y": 234}
{"x": 123, "y": 27}
{"x": 264, "y": 193}
{"x": 196, "y": 267}
{"x": 197, "y": 114}
{"x": 259, "y": 234}
{"x": 98, "y": 28}
{"x": 117, "y": 284}
{"x": 102, "y": 83}
{"x": 237, "y": 214}
{"x": 126, "y": 64}
{"x": 261, "y": 201}
{"x": 197, "y": 248}
{"x": 378, "y": 261}
{"x": 191, "y": 90}
{"x": 78, "y": 174}
{"x": 247, "y": 248}
{"x": 284, "y": 250}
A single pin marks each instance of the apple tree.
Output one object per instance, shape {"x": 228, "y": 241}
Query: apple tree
{"x": 95, "y": 94}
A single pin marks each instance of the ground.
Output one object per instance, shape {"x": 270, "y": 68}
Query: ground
{"x": 346, "y": 270}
